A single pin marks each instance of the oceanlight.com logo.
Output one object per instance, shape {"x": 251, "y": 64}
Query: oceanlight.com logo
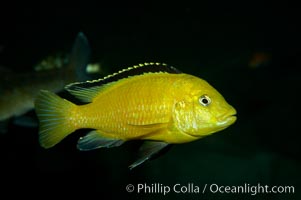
{"x": 191, "y": 188}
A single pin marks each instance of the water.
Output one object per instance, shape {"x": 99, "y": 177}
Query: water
{"x": 262, "y": 147}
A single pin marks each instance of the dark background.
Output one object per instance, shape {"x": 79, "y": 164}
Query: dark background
{"x": 214, "y": 41}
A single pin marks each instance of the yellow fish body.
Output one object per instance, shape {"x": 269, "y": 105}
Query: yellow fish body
{"x": 158, "y": 104}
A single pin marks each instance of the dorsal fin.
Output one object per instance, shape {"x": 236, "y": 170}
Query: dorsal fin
{"x": 86, "y": 91}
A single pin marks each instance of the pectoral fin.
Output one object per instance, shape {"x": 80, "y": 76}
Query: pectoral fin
{"x": 95, "y": 140}
{"x": 150, "y": 127}
{"x": 147, "y": 151}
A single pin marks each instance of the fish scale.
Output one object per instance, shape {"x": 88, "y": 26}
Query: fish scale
{"x": 122, "y": 106}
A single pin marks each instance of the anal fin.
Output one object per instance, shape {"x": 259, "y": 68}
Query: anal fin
{"x": 94, "y": 140}
{"x": 147, "y": 151}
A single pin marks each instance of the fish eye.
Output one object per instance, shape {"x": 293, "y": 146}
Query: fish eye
{"x": 205, "y": 100}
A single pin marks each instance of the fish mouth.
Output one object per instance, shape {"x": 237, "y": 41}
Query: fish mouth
{"x": 222, "y": 123}
{"x": 227, "y": 119}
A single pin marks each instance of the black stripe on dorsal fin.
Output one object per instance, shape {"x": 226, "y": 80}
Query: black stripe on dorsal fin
{"x": 125, "y": 73}
{"x": 87, "y": 91}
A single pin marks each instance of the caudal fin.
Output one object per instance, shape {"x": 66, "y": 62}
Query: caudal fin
{"x": 53, "y": 112}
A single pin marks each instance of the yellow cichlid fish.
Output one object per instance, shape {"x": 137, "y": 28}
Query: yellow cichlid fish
{"x": 152, "y": 101}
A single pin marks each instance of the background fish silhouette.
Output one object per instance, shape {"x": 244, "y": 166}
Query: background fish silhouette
{"x": 18, "y": 90}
